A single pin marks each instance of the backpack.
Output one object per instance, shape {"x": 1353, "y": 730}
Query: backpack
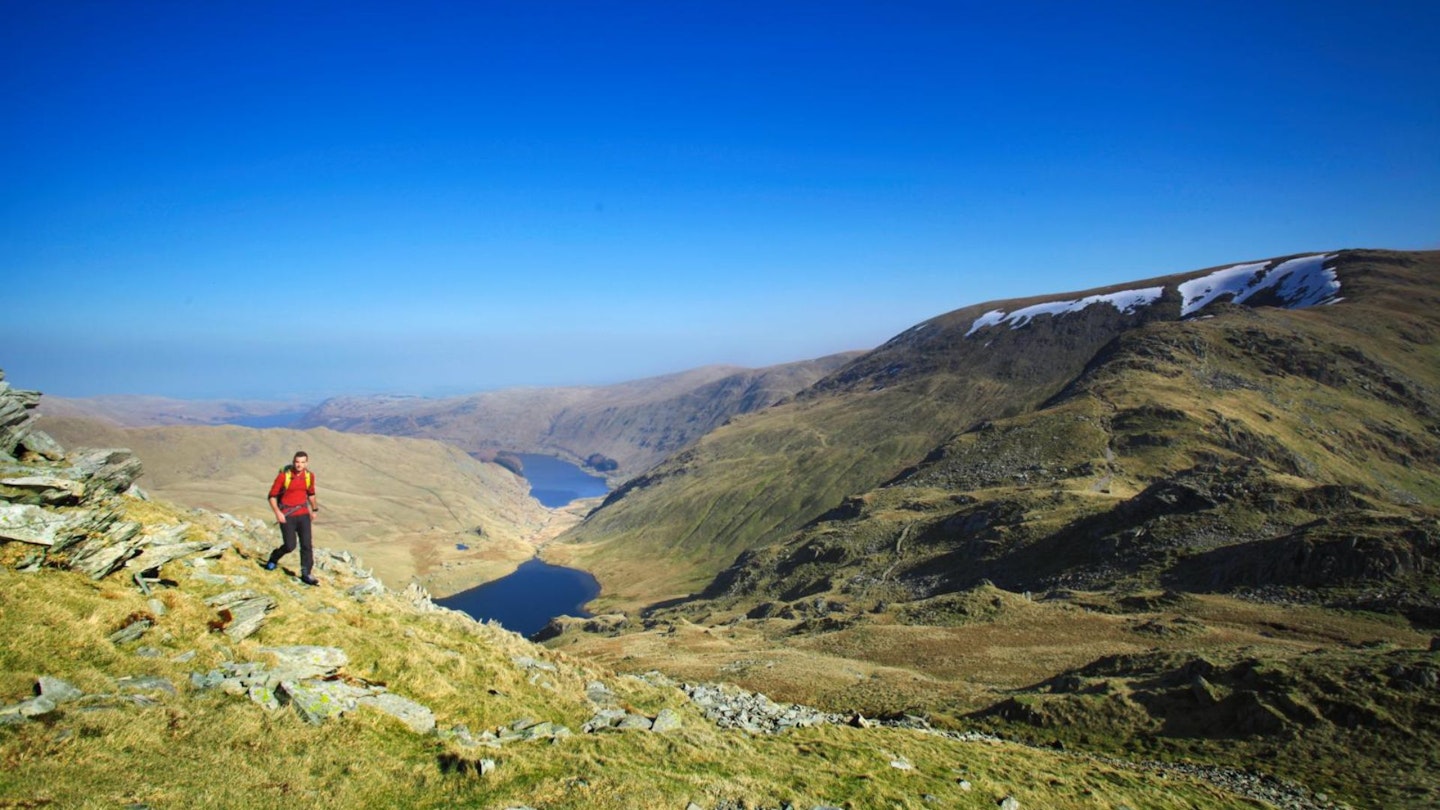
{"x": 290, "y": 476}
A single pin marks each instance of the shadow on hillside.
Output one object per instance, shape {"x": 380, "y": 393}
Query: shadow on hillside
{"x": 665, "y": 604}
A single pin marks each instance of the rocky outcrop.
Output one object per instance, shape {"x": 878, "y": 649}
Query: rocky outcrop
{"x": 66, "y": 506}
{"x": 308, "y": 679}
{"x": 19, "y": 437}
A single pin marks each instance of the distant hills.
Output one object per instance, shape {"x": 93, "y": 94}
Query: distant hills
{"x": 618, "y": 430}
{"x": 634, "y": 424}
{"x": 132, "y": 410}
{"x": 404, "y": 505}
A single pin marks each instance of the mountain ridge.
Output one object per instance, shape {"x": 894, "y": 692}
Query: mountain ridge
{"x": 1213, "y": 537}
{"x": 886, "y": 411}
{"x": 633, "y": 424}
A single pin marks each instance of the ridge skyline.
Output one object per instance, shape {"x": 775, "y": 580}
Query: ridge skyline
{"x": 1035, "y": 303}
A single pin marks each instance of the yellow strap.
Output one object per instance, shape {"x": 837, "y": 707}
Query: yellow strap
{"x": 290, "y": 476}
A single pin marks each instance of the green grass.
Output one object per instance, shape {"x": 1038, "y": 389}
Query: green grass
{"x": 209, "y": 750}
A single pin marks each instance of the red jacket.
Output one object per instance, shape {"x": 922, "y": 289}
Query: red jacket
{"x": 295, "y": 499}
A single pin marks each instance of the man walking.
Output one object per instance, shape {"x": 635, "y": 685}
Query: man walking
{"x": 292, "y": 498}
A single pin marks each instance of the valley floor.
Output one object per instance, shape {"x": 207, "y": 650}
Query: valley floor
{"x": 1159, "y": 676}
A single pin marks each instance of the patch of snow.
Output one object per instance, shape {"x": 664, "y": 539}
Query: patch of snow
{"x": 990, "y": 318}
{"x": 1126, "y": 301}
{"x": 1299, "y": 283}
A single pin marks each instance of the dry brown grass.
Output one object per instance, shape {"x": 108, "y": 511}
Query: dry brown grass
{"x": 877, "y": 665}
{"x": 208, "y": 750}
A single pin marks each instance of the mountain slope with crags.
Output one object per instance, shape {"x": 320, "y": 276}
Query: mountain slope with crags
{"x": 1044, "y": 394}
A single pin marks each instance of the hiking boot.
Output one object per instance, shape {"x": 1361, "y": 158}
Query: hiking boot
{"x": 268, "y": 565}
{"x": 309, "y": 580}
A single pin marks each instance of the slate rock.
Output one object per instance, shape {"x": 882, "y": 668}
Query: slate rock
{"x": 263, "y": 694}
{"x": 666, "y": 720}
{"x": 369, "y": 587}
{"x": 51, "y": 490}
{"x": 132, "y": 631}
{"x": 598, "y": 693}
{"x": 145, "y": 683}
{"x": 155, "y": 555}
{"x": 28, "y": 523}
{"x": 112, "y": 469}
{"x": 635, "y": 721}
{"x": 526, "y": 662}
{"x": 101, "y": 553}
{"x": 247, "y": 611}
{"x": 523, "y": 730}
{"x": 43, "y": 444}
{"x": 318, "y": 701}
{"x": 301, "y": 661}
{"x": 38, "y": 706}
{"x": 603, "y": 719}
{"x": 416, "y": 595}
{"x": 418, "y": 718}
{"x": 58, "y": 690}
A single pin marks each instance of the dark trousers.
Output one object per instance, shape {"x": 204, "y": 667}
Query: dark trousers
{"x": 296, "y": 526}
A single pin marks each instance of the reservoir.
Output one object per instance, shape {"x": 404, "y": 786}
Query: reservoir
{"x": 528, "y": 599}
{"x": 555, "y": 483}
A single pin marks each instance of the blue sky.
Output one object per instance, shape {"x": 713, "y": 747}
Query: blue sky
{"x": 227, "y": 199}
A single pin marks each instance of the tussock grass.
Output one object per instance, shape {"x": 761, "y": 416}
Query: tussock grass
{"x": 209, "y": 750}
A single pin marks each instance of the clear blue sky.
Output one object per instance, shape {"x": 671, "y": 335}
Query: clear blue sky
{"x": 253, "y": 199}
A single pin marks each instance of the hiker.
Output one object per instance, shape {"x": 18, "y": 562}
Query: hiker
{"x": 292, "y": 497}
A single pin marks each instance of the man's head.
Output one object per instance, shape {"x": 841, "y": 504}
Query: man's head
{"x": 301, "y": 459}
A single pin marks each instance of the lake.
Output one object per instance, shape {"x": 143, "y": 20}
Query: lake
{"x": 274, "y": 420}
{"x": 528, "y": 599}
{"x": 555, "y": 482}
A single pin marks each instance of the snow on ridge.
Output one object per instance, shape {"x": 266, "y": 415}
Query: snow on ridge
{"x": 1126, "y": 301}
{"x": 1299, "y": 283}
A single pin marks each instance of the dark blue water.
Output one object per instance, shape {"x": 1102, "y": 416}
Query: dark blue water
{"x": 555, "y": 483}
{"x": 274, "y": 420}
{"x": 528, "y": 599}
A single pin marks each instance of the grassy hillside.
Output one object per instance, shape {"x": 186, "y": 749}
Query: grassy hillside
{"x": 1252, "y": 448}
{"x": 139, "y": 671}
{"x": 755, "y": 481}
{"x": 403, "y": 504}
{"x": 1219, "y": 541}
{"x": 973, "y": 403}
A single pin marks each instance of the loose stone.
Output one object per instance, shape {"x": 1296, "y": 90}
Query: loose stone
{"x": 58, "y": 690}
